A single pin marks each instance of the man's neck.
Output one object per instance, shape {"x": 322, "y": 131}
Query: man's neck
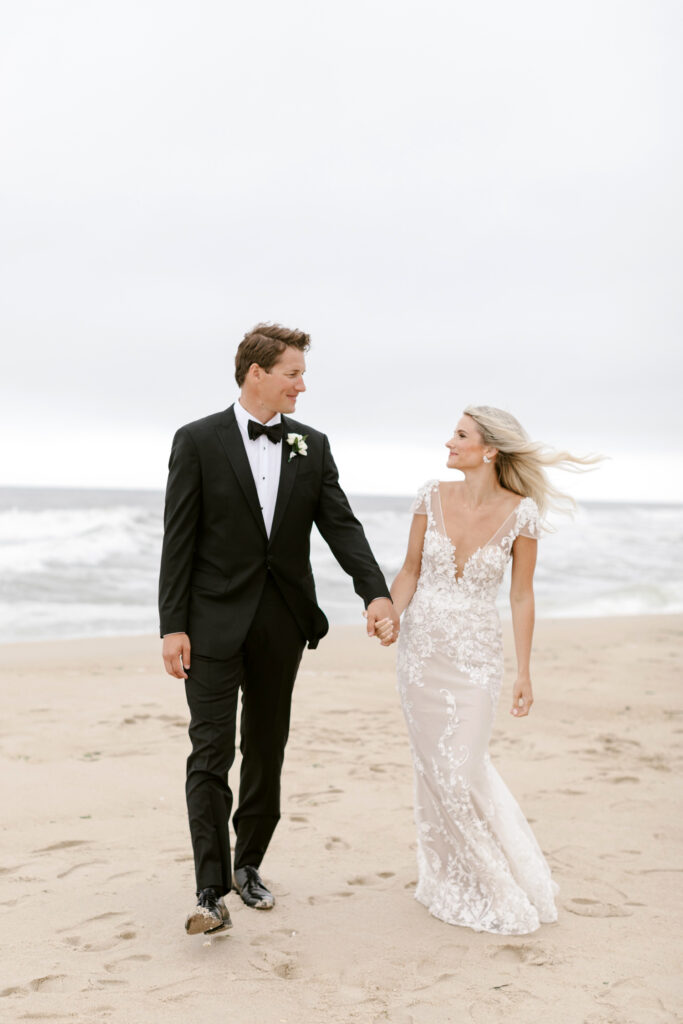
{"x": 256, "y": 409}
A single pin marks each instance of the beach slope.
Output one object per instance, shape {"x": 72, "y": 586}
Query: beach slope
{"x": 96, "y": 874}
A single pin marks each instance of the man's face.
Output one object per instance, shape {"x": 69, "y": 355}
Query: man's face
{"x": 279, "y": 387}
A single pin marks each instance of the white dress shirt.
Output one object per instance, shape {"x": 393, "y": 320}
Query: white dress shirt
{"x": 265, "y": 459}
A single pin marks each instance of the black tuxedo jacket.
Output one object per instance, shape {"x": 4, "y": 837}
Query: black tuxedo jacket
{"x": 216, "y": 553}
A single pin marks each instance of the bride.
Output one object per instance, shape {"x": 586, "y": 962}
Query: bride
{"x": 478, "y": 861}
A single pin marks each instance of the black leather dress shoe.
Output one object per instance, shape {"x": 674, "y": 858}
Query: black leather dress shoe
{"x": 210, "y": 914}
{"x": 249, "y": 885}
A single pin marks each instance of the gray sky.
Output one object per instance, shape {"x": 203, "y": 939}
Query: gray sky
{"x": 461, "y": 202}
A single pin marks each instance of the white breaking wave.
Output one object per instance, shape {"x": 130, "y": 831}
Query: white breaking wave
{"x": 34, "y": 542}
{"x": 76, "y": 563}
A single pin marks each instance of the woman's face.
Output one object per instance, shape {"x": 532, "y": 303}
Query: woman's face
{"x": 466, "y": 448}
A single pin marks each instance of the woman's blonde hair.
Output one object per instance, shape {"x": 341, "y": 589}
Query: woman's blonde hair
{"x": 520, "y": 463}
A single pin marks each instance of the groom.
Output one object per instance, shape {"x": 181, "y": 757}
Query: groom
{"x": 237, "y": 601}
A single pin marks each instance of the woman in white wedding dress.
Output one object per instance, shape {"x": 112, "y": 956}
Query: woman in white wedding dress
{"x": 478, "y": 861}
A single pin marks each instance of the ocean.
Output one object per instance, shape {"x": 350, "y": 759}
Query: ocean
{"x": 76, "y": 563}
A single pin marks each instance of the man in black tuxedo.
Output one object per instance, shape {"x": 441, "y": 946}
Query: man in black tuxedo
{"x": 245, "y": 487}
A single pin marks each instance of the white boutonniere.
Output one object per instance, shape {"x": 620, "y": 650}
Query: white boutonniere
{"x": 297, "y": 442}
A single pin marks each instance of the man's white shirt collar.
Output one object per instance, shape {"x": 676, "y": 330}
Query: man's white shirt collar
{"x": 243, "y": 417}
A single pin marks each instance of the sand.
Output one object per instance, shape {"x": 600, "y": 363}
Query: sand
{"x": 96, "y": 874}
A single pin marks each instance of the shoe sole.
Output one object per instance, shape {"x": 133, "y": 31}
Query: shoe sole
{"x": 221, "y": 928}
{"x": 199, "y": 920}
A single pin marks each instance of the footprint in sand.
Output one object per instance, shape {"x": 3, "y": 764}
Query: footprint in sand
{"x": 127, "y": 962}
{"x": 282, "y": 965}
{"x": 64, "y": 845}
{"x": 631, "y": 999}
{"x": 509, "y": 1004}
{"x": 336, "y": 843}
{"x": 286, "y": 969}
{"x": 93, "y": 947}
{"x": 315, "y": 901}
{"x": 9, "y": 871}
{"x": 595, "y": 908}
{"x": 174, "y": 721}
{"x": 91, "y": 920}
{"x": 76, "y": 867}
{"x": 318, "y": 797}
{"x": 525, "y": 953}
{"x": 369, "y": 879}
{"x": 50, "y": 983}
{"x": 440, "y": 979}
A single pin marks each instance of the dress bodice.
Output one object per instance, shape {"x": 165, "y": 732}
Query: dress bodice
{"x": 481, "y": 575}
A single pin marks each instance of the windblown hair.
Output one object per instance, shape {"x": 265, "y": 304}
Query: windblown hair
{"x": 521, "y": 462}
{"x": 264, "y": 344}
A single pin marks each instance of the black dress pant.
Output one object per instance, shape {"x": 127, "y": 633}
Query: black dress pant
{"x": 265, "y": 669}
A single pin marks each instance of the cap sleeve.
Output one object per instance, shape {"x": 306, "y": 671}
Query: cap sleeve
{"x": 422, "y": 502}
{"x": 528, "y": 519}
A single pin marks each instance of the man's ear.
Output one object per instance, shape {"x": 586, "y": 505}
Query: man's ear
{"x": 255, "y": 372}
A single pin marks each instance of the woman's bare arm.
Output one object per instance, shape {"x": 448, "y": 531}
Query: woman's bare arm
{"x": 403, "y": 587}
{"x": 522, "y": 604}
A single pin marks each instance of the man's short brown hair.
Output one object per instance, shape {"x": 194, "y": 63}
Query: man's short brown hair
{"x": 264, "y": 344}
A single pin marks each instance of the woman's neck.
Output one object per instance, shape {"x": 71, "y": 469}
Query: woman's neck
{"x": 480, "y": 487}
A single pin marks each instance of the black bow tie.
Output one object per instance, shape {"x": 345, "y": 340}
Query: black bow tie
{"x": 273, "y": 433}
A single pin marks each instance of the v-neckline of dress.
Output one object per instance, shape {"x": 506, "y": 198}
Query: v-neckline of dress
{"x": 481, "y": 546}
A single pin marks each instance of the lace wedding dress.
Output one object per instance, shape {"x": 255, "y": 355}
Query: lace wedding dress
{"x": 478, "y": 861}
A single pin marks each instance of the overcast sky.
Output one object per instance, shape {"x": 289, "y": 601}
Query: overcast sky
{"x": 462, "y": 202}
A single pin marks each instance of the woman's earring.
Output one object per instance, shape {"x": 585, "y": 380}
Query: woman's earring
{"x": 486, "y": 458}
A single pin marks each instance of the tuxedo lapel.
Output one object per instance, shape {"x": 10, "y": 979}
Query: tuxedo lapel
{"x": 288, "y": 468}
{"x": 231, "y": 440}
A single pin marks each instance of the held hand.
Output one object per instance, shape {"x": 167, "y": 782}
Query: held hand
{"x": 522, "y": 698}
{"x": 384, "y": 631}
{"x": 382, "y": 610}
{"x": 176, "y": 654}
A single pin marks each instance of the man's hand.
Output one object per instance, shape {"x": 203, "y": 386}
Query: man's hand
{"x": 176, "y": 654}
{"x": 383, "y": 608}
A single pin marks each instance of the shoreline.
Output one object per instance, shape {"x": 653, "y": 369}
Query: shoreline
{"x": 666, "y": 618}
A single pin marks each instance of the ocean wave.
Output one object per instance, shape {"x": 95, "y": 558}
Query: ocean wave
{"x": 85, "y": 564}
{"x": 45, "y": 541}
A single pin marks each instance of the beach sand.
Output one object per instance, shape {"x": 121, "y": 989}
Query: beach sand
{"x": 96, "y": 873}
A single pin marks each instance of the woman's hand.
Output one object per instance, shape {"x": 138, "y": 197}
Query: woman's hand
{"x": 384, "y": 630}
{"x": 522, "y": 698}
